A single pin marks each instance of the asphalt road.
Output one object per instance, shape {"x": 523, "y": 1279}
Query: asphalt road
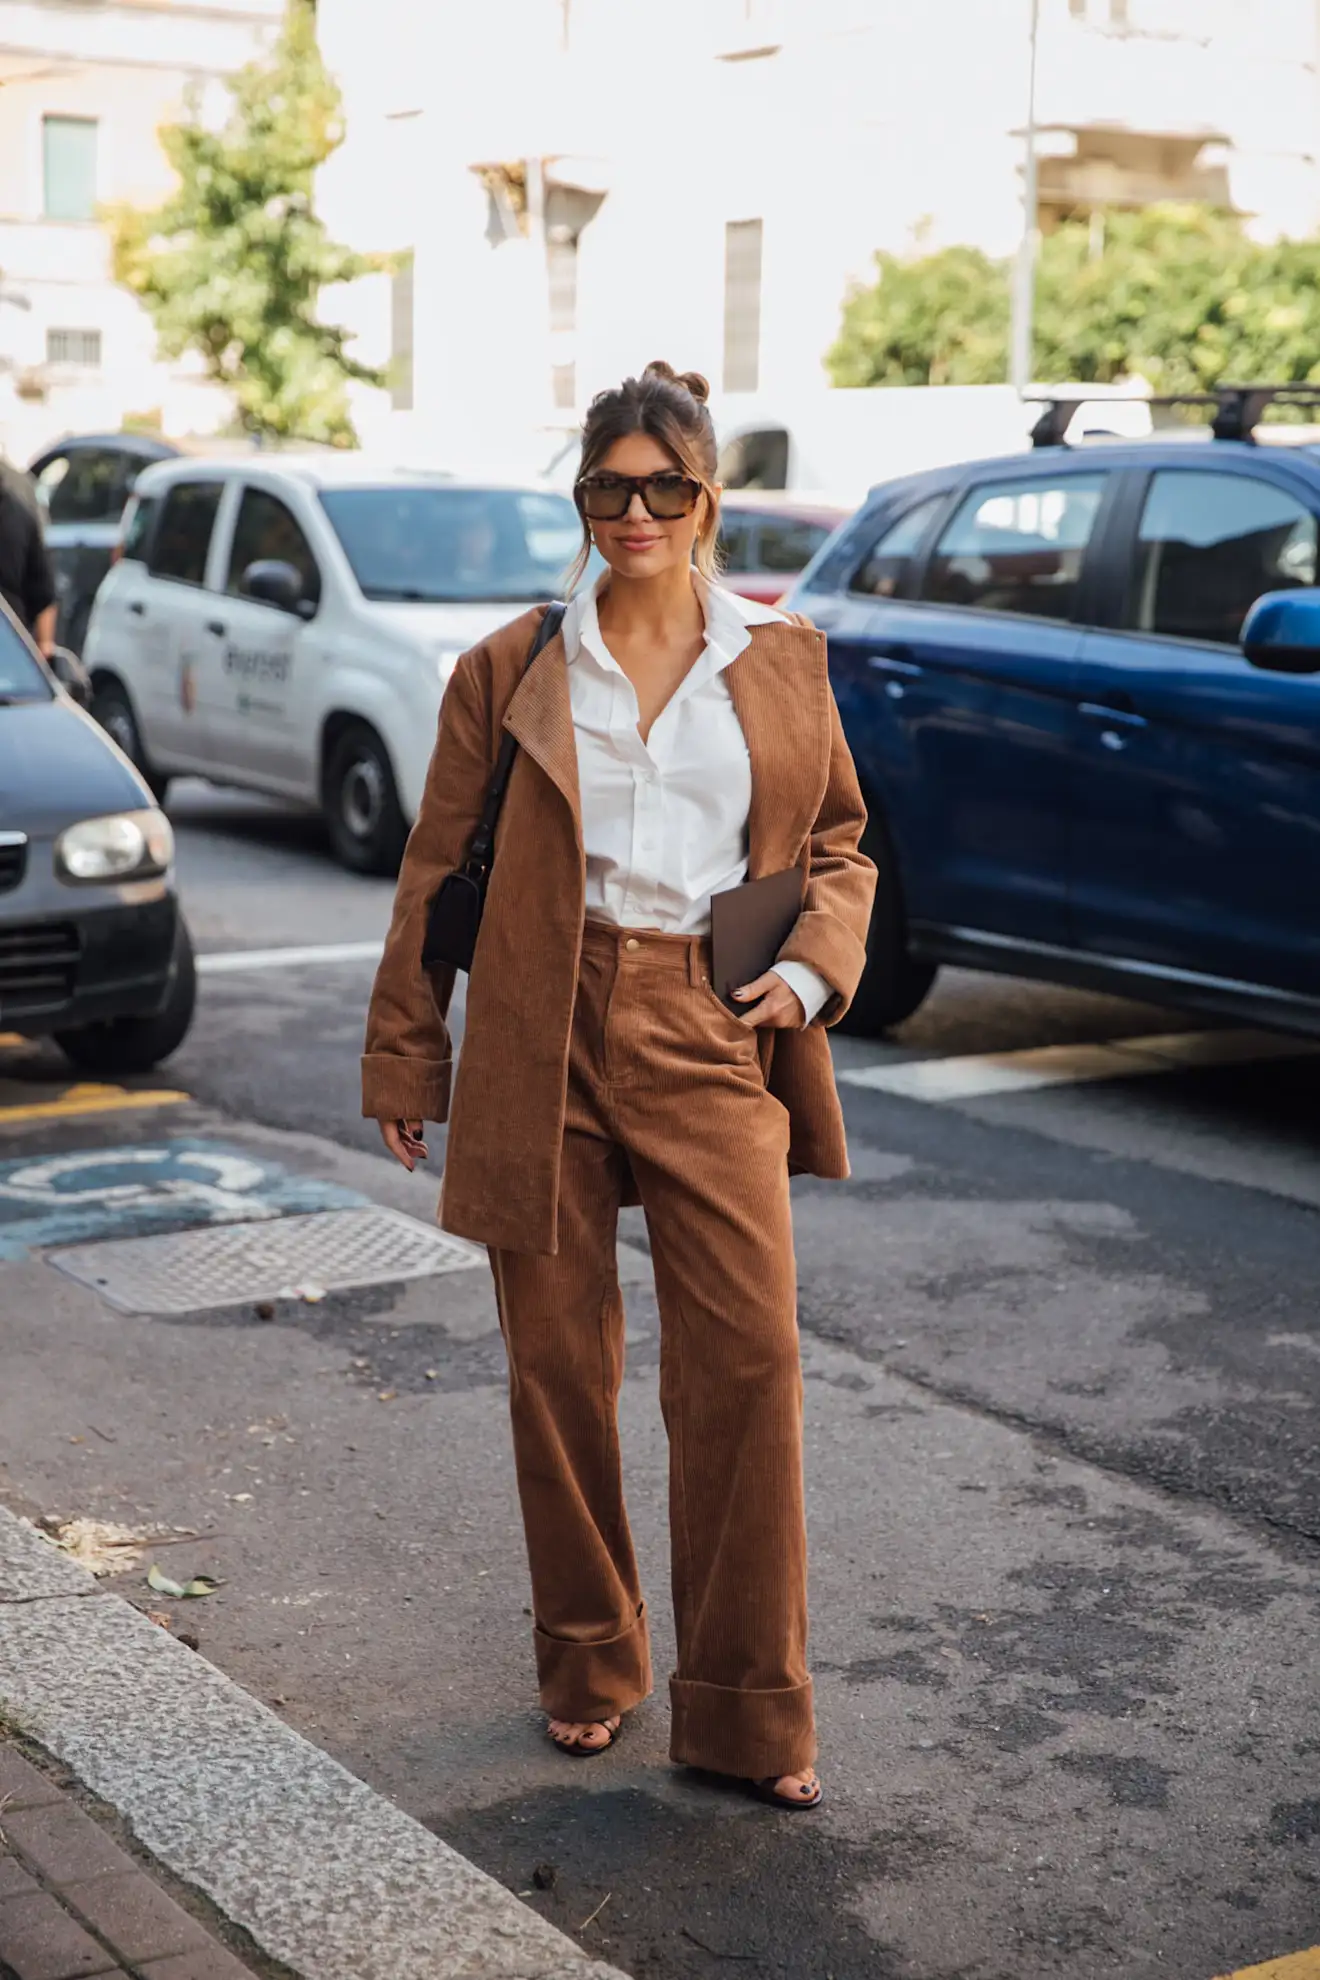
{"x": 1063, "y": 1375}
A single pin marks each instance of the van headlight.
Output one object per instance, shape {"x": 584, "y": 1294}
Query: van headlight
{"x": 127, "y": 845}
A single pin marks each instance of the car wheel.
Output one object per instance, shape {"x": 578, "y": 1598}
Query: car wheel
{"x": 895, "y": 983}
{"x": 136, "y": 1044}
{"x": 114, "y": 711}
{"x": 362, "y": 811}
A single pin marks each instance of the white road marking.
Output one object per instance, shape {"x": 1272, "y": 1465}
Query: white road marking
{"x": 226, "y": 961}
{"x": 941, "y": 1080}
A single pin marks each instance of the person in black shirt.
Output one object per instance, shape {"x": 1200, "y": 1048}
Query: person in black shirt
{"x": 27, "y": 583}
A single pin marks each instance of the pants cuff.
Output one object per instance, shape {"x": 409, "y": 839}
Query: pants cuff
{"x": 581, "y": 1681}
{"x": 757, "y": 1735}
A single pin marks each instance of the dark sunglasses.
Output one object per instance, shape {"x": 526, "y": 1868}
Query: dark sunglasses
{"x": 608, "y": 497}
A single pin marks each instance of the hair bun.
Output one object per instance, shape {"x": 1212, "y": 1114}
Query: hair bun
{"x": 692, "y": 382}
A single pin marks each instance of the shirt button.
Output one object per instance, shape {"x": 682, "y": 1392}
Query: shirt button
{"x": 632, "y": 943}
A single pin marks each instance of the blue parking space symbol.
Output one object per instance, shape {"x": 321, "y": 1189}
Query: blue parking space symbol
{"x": 128, "y": 1192}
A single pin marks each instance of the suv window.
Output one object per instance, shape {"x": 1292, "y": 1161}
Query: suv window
{"x": 1017, "y": 546}
{"x": 788, "y": 546}
{"x": 183, "y": 533}
{"x": 266, "y": 528}
{"x": 1209, "y": 545}
{"x": 138, "y": 531}
{"x": 87, "y": 486}
{"x": 883, "y": 569}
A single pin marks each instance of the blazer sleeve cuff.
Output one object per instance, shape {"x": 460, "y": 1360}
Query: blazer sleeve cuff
{"x": 824, "y": 944}
{"x": 807, "y": 985}
{"x": 399, "y": 1089}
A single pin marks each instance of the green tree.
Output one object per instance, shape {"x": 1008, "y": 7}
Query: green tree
{"x": 234, "y": 262}
{"x": 1177, "y": 294}
{"x": 939, "y": 320}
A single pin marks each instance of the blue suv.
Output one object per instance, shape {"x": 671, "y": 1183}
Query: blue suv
{"x": 1082, "y": 688}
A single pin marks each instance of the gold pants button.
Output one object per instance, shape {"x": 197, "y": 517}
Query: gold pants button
{"x": 632, "y": 943}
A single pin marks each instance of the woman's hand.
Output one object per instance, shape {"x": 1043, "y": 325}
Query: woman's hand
{"x": 404, "y": 1141}
{"x": 780, "y": 1008}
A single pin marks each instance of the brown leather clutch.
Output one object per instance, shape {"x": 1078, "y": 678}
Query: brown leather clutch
{"x": 749, "y": 925}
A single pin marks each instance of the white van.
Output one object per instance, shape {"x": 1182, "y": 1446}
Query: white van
{"x": 289, "y": 626}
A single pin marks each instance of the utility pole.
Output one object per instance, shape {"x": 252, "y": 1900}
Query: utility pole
{"x": 1024, "y": 273}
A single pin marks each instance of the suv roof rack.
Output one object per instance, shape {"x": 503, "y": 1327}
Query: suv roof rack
{"x": 1238, "y": 408}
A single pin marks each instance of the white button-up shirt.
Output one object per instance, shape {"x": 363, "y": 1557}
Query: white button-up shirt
{"x": 664, "y": 822}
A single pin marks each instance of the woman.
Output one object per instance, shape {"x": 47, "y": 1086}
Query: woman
{"x": 674, "y": 741}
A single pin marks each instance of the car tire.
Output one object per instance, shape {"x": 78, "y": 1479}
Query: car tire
{"x": 112, "y": 708}
{"x": 135, "y": 1045}
{"x": 361, "y": 803}
{"x": 895, "y": 983}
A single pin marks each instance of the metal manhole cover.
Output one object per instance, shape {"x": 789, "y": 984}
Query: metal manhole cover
{"x": 230, "y": 1264}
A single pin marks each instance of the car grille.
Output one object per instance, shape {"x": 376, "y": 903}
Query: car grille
{"x": 37, "y": 967}
{"x": 13, "y": 859}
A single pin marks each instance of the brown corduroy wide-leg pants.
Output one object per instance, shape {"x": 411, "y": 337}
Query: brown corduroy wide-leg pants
{"x": 665, "y": 1081}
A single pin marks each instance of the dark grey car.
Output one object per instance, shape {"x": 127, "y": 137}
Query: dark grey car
{"x": 93, "y": 947}
{"x": 82, "y": 486}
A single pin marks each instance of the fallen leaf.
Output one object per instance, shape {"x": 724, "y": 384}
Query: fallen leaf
{"x": 201, "y": 1584}
{"x": 387, "y": 1395}
{"x": 159, "y": 1617}
{"x": 240, "y": 1498}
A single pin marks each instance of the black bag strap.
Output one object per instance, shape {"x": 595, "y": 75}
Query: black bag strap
{"x": 483, "y": 839}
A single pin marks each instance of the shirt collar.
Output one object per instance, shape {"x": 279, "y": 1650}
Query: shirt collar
{"x": 729, "y": 620}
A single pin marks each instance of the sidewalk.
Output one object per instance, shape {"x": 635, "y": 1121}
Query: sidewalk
{"x": 327, "y": 1879}
{"x": 73, "y": 1903}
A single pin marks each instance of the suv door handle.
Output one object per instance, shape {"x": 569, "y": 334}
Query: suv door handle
{"x": 216, "y": 626}
{"x": 1115, "y": 715}
{"x": 895, "y": 660}
{"x": 136, "y": 605}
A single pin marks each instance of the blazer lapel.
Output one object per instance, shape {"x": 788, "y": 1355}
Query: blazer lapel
{"x": 780, "y": 691}
{"x": 540, "y": 716}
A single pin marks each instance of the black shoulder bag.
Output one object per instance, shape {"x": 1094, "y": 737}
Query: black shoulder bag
{"x": 454, "y": 921}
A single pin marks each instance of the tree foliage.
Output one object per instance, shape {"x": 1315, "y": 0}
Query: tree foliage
{"x": 1178, "y": 294}
{"x": 233, "y": 264}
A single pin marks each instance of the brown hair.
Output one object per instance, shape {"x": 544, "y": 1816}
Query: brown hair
{"x": 671, "y": 407}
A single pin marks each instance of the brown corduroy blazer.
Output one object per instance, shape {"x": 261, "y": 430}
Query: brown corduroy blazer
{"x": 501, "y": 1179}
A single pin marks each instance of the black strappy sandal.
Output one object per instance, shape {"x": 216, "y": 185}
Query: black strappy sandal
{"x": 765, "y": 1791}
{"x": 574, "y": 1747}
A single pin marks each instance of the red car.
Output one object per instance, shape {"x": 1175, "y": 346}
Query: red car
{"x": 767, "y": 540}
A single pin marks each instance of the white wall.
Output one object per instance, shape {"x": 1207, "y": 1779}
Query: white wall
{"x": 876, "y": 124}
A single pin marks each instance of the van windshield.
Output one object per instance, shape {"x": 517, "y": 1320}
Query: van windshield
{"x": 21, "y": 679}
{"x": 455, "y": 545}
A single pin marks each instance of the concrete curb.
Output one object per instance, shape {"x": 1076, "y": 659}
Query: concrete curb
{"x": 325, "y": 1874}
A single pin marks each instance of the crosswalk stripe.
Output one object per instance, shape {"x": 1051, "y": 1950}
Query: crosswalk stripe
{"x": 229, "y": 961}
{"x": 976, "y": 1077}
{"x": 1294, "y": 1966}
{"x": 89, "y": 1099}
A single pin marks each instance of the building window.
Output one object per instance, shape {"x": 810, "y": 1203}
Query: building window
{"x": 742, "y": 305}
{"x": 402, "y": 318}
{"x": 81, "y": 347}
{"x": 68, "y": 156}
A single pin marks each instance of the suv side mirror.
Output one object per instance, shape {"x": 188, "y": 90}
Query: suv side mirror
{"x": 72, "y": 676}
{"x": 273, "y": 582}
{"x": 1281, "y": 633}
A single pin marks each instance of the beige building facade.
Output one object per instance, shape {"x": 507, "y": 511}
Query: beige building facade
{"x": 84, "y": 89}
